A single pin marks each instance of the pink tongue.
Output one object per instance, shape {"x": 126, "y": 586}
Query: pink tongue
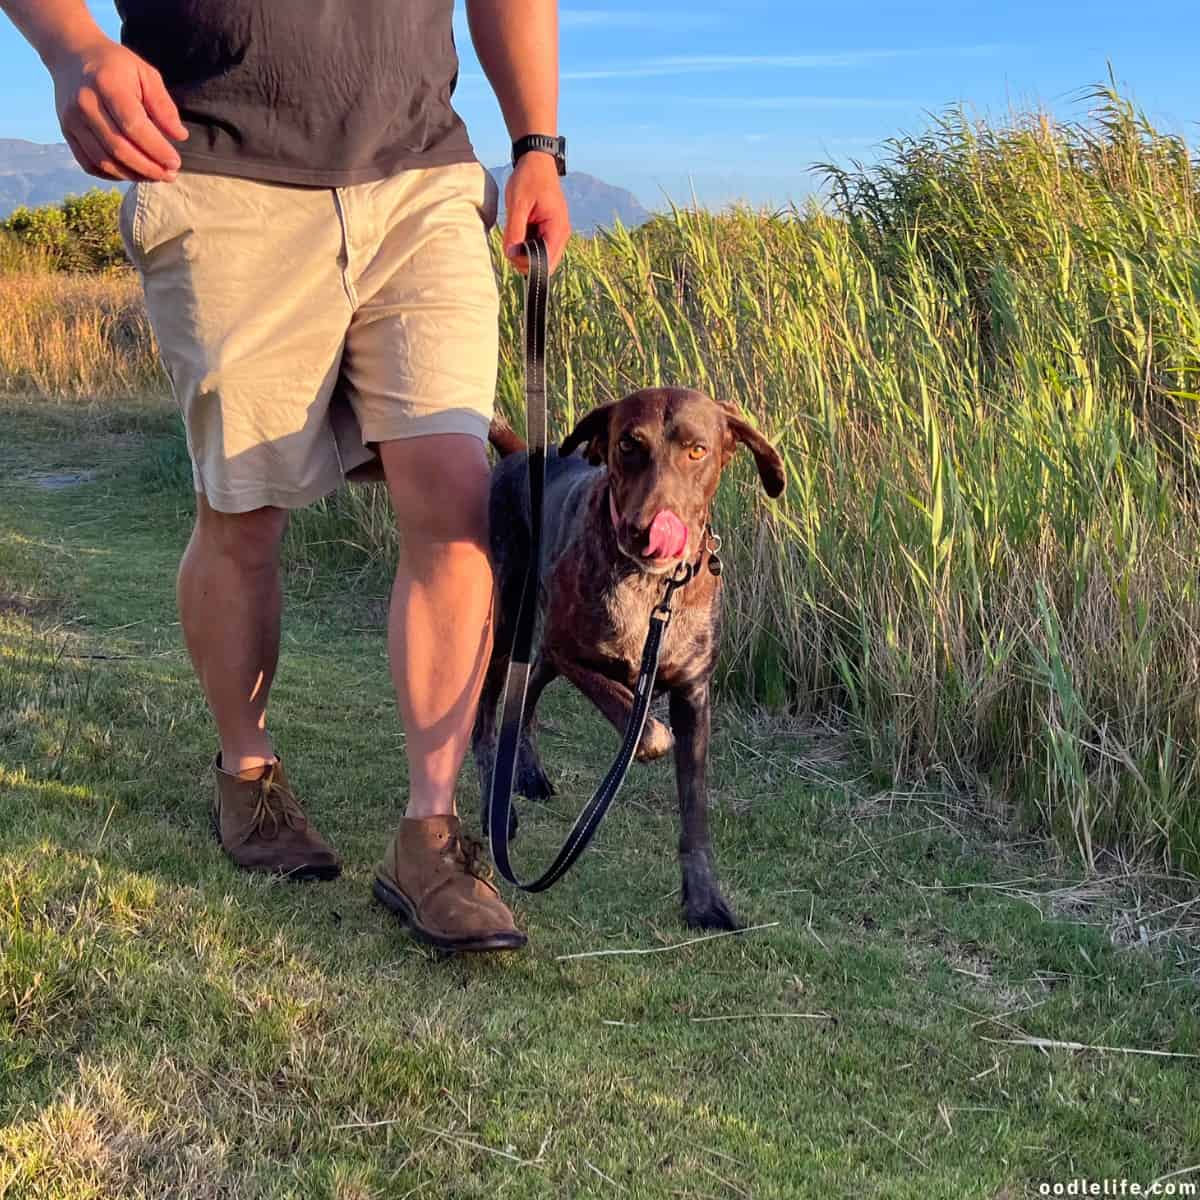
{"x": 668, "y": 536}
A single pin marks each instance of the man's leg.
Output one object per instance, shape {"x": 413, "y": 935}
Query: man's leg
{"x": 246, "y": 291}
{"x": 439, "y": 629}
{"x": 440, "y": 638}
{"x": 420, "y": 371}
{"x": 230, "y": 603}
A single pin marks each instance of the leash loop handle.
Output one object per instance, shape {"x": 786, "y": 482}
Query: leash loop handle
{"x": 516, "y": 685}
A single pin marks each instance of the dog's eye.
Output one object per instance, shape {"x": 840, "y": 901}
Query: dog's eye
{"x": 627, "y": 445}
{"x": 697, "y": 452}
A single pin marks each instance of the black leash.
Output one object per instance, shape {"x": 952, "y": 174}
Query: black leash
{"x": 517, "y": 684}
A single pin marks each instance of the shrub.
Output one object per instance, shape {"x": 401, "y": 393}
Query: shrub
{"x": 80, "y": 234}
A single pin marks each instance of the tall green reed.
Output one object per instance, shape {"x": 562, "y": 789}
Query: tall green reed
{"x": 981, "y": 362}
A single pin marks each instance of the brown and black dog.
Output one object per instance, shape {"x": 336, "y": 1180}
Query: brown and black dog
{"x": 620, "y": 518}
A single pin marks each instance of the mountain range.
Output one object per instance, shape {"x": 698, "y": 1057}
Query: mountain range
{"x": 594, "y": 204}
{"x": 32, "y": 173}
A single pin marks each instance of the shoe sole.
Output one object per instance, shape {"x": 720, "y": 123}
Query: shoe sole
{"x": 511, "y": 939}
{"x": 300, "y": 874}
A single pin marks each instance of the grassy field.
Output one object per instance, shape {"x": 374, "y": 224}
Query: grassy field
{"x": 954, "y": 770}
{"x": 981, "y": 364}
{"x": 170, "y": 1028}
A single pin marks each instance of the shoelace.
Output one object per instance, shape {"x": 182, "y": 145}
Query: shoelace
{"x": 277, "y": 805}
{"x": 471, "y": 857}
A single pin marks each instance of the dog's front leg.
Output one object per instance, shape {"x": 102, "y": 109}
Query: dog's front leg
{"x": 703, "y": 904}
{"x": 615, "y": 701}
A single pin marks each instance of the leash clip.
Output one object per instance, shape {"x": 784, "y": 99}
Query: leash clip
{"x": 684, "y": 573}
{"x": 713, "y": 545}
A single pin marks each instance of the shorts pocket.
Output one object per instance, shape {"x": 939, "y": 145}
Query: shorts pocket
{"x": 129, "y": 220}
{"x": 157, "y": 214}
{"x": 489, "y": 206}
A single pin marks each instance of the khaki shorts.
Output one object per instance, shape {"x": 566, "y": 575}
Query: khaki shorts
{"x": 300, "y": 326}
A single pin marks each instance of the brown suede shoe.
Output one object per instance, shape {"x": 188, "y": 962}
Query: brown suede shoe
{"x": 437, "y": 881}
{"x": 261, "y": 826}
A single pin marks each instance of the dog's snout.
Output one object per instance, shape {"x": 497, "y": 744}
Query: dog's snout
{"x": 662, "y": 536}
{"x": 667, "y": 536}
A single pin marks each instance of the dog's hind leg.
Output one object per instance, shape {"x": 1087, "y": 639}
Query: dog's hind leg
{"x": 531, "y": 778}
{"x": 483, "y": 736}
{"x": 509, "y": 553}
{"x": 703, "y": 904}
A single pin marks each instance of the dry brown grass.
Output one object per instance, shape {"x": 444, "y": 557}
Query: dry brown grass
{"x": 76, "y": 337}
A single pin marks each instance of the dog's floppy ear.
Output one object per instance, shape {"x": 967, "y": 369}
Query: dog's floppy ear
{"x": 766, "y": 457}
{"x": 592, "y": 433}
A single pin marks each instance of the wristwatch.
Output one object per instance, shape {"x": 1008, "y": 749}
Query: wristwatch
{"x": 556, "y": 146}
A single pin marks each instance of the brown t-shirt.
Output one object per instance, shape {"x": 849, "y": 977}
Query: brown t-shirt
{"x": 316, "y": 92}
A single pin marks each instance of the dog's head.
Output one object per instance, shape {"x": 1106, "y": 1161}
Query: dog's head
{"x": 665, "y": 449}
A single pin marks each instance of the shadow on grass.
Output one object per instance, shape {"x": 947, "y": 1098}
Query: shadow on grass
{"x": 176, "y": 1027}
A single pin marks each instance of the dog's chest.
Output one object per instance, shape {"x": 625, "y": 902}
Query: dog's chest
{"x": 597, "y": 610}
{"x": 607, "y": 624}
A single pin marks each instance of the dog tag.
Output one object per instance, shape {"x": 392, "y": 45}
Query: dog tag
{"x": 714, "y": 564}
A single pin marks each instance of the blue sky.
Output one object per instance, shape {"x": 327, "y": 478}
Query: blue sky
{"x": 735, "y": 100}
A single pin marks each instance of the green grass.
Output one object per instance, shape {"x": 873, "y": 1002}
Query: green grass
{"x": 170, "y": 1028}
{"x": 980, "y": 360}
{"x": 981, "y": 363}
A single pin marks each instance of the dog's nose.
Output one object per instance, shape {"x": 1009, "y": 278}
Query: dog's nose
{"x": 666, "y": 537}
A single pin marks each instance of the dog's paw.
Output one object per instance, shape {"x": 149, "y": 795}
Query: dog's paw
{"x": 712, "y": 913}
{"x": 657, "y": 740}
{"x": 532, "y": 782}
{"x": 703, "y": 905}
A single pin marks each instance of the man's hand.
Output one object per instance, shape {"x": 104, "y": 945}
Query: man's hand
{"x": 517, "y": 44}
{"x": 116, "y": 114}
{"x": 534, "y": 203}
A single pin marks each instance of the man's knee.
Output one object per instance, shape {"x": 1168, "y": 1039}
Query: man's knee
{"x": 250, "y": 539}
{"x": 439, "y": 486}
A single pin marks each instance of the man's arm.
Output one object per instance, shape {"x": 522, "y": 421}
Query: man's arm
{"x": 113, "y": 107}
{"x": 517, "y": 44}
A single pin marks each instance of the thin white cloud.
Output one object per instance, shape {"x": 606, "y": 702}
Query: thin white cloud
{"x": 768, "y": 103}
{"x": 662, "y": 20}
{"x": 708, "y": 63}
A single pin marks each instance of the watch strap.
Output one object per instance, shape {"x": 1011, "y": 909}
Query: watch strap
{"x": 548, "y": 144}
